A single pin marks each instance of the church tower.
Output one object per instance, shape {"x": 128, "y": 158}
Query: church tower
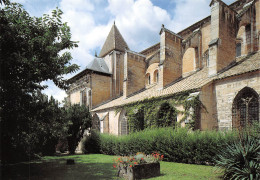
{"x": 113, "y": 53}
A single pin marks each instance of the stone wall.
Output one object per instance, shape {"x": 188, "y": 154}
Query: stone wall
{"x": 113, "y": 121}
{"x": 75, "y": 97}
{"x": 188, "y": 61}
{"x": 151, "y": 70}
{"x": 134, "y": 73}
{"x": 205, "y": 33}
{"x": 77, "y": 86}
{"x": 208, "y": 117}
{"x": 109, "y": 121}
{"x": 100, "y": 85}
{"x": 119, "y": 74}
{"x": 226, "y": 91}
{"x": 108, "y": 61}
{"x": 227, "y": 35}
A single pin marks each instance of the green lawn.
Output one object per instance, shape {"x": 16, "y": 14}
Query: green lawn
{"x": 97, "y": 166}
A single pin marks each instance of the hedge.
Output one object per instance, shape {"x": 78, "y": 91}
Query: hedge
{"x": 177, "y": 145}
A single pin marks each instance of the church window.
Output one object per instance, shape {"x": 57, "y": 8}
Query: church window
{"x": 245, "y": 108}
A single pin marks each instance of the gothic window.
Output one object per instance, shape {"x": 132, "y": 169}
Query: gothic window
{"x": 245, "y": 108}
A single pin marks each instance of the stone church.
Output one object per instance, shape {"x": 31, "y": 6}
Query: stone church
{"x": 216, "y": 59}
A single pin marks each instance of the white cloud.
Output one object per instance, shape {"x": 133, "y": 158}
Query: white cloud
{"x": 188, "y": 12}
{"x": 139, "y": 21}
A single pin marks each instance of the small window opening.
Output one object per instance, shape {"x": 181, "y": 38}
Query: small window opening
{"x": 238, "y": 49}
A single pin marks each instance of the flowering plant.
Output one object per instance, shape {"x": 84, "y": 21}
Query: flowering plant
{"x": 139, "y": 158}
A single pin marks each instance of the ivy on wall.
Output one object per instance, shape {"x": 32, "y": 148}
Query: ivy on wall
{"x": 162, "y": 112}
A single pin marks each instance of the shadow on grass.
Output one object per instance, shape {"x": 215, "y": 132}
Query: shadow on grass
{"x": 58, "y": 169}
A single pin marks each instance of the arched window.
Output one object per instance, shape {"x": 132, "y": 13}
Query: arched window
{"x": 148, "y": 79}
{"x": 155, "y": 76}
{"x": 122, "y": 124}
{"x": 245, "y": 108}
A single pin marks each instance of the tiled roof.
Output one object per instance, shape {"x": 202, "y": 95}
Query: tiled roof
{"x": 195, "y": 81}
{"x": 99, "y": 65}
{"x": 247, "y": 64}
{"x": 114, "y": 41}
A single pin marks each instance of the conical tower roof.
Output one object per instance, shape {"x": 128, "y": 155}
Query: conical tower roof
{"x": 114, "y": 41}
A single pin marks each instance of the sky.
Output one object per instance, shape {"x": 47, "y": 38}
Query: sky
{"x": 139, "y": 22}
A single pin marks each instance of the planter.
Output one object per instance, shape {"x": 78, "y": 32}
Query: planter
{"x": 139, "y": 171}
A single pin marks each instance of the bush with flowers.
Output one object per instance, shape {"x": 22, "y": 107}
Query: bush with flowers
{"x": 139, "y": 158}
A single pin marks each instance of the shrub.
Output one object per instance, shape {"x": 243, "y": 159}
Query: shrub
{"x": 62, "y": 145}
{"x": 241, "y": 158}
{"x": 91, "y": 143}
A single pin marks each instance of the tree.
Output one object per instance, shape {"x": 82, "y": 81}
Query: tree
{"x": 31, "y": 52}
{"x": 79, "y": 120}
{"x": 47, "y": 124}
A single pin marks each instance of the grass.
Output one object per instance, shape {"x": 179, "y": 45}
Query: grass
{"x": 94, "y": 167}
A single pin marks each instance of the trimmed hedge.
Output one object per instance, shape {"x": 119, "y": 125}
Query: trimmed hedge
{"x": 177, "y": 145}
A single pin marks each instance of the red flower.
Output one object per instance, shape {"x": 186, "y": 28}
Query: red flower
{"x": 142, "y": 158}
{"x": 130, "y": 165}
{"x": 135, "y": 162}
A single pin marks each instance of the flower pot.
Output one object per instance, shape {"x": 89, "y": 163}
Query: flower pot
{"x": 139, "y": 171}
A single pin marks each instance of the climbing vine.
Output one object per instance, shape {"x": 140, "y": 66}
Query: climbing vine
{"x": 162, "y": 112}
